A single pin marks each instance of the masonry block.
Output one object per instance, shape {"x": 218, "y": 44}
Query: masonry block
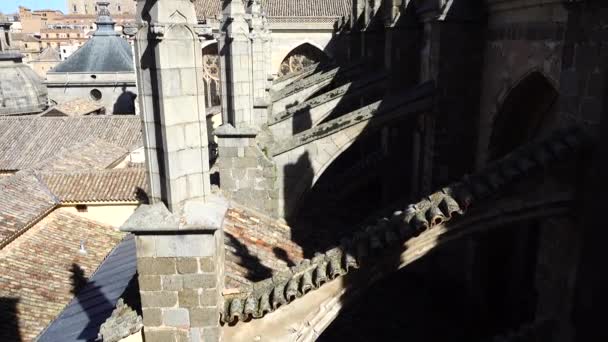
{"x": 159, "y": 335}
{"x": 154, "y": 266}
{"x": 208, "y": 297}
{"x": 195, "y": 281}
{"x": 204, "y": 317}
{"x": 158, "y": 299}
{"x": 172, "y": 282}
{"x": 211, "y": 334}
{"x": 176, "y": 317}
{"x": 187, "y": 265}
{"x": 207, "y": 264}
{"x": 152, "y": 317}
{"x": 188, "y": 298}
{"x": 149, "y": 282}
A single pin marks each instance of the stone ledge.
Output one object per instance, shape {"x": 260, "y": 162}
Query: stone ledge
{"x": 195, "y": 216}
{"x": 227, "y": 130}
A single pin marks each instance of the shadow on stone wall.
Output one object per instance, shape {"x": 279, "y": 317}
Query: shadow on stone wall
{"x": 125, "y": 103}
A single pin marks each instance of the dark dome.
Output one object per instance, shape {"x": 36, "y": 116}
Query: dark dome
{"x": 106, "y": 51}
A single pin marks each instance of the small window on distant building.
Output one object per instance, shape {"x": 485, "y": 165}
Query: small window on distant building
{"x": 95, "y": 8}
{"x": 64, "y": 51}
{"x": 95, "y": 94}
{"x": 26, "y": 45}
{"x": 74, "y": 8}
{"x": 82, "y": 208}
{"x": 118, "y": 8}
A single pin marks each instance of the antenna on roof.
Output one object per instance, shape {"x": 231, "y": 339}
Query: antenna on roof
{"x": 82, "y": 250}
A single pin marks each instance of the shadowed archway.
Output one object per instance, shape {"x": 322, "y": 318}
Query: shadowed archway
{"x": 301, "y": 57}
{"x": 526, "y": 112}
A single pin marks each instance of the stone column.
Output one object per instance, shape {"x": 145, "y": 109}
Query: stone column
{"x": 179, "y": 235}
{"x": 172, "y": 101}
{"x": 258, "y": 64}
{"x": 236, "y": 66}
{"x": 247, "y": 175}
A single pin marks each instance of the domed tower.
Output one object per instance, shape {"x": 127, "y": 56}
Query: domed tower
{"x": 101, "y": 70}
{"x": 21, "y": 90}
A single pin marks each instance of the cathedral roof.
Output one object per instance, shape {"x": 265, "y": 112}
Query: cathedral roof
{"x": 106, "y": 51}
{"x": 114, "y": 185}
{"x": 27, "y": 141}
{"x": 282, "y": 8}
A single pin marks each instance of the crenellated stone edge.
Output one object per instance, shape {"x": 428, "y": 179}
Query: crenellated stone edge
{"x": 440, "y": 207}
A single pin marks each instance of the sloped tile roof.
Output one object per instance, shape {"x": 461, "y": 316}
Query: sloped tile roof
{"x": 29, "y": 195}
{"x": 283, "y": 8}
{"x": 38, "y": 268}
{"x": 92, "y": 154}
{"x": 26, "y": 141}
{"x": 309, "y": 8}
{"x": 77, "y": 107}
{"x": 114, "y": 185}
{"x": 257, "y": 246}
{"x": 23, "y": 199}
{"x": 79, "y": 323}
{"x": 49, "y": 55}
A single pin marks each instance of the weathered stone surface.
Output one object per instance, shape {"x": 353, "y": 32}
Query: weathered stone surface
{"x": 211, "y": 334}
{"x": 207, "y": 264}
{"x": 188, "y": 298}
{"x": 177, "y": 317}
{"x": 152, "y": 317}
{"x": 208, "y": 297}
{"x": 159, "y": 335}
{"x": 194, "y": 281}
{"x": 172, "y": 282}
{"x": 154, "y": 266}
{"x": 204, "y": 317}
{"x": 158, "y": 299}
{"x": 187, "y": 265}
{"x": 123, "y": 322}
{"x": 149, "y": 282}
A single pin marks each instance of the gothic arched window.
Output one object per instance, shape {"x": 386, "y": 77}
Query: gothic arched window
{"x": 302, "y": 57}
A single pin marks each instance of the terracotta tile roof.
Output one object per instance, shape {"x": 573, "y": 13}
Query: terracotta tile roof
{"x": 37, "y": 269}
{"x": 308, "y": 8}
{"x": 29, "y": 195}
{"x": 283, "y": 8}
{"x": 23, "y": 199}
{"x": 92, "y": 154}
{"x": 97, "y": 185}
{"x": 257, "y": 246}
{"x": 76, "y": 107}
{"x": 26, "y": 141}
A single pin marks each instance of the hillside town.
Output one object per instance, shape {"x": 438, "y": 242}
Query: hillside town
{"x": 287, "y": 170}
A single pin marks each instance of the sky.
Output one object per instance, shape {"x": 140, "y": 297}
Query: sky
{"x": 10, "y": 6}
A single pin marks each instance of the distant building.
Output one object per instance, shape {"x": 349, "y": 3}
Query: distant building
{"x": 46, "y": 61}
{"x": 57, "y": 37}
{"x": 102, "y": 70}
{"x": 66, "y": 51}
{"x": 21, "y": 90}
{"x": 27, "y": 44}
{"x": 35, "y": 21}
{"x": 91, "y": 6}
